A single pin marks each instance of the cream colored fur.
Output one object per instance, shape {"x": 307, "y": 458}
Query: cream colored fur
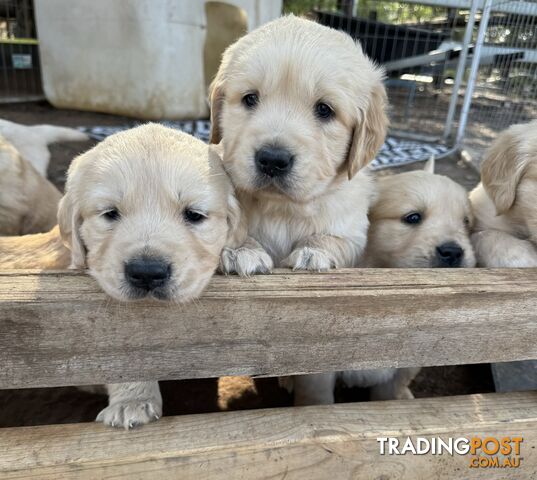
{"x": 316, "y": 219}
{"x": 28, "y": 201}
{"x": 41, "y": 251}
{"x": 444, "y": 206}
{"x": 32, "y": 141}
{"x": 505, "y": 202}
{"x": 151, "y": 176}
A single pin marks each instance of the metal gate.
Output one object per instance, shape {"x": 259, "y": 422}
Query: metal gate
{"x": 20, "y": 77}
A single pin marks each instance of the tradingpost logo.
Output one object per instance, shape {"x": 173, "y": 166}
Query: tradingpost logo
{"x": 482, "y": 452}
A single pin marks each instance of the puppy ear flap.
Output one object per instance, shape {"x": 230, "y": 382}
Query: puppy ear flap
{"x": 369, "y": 134}
{"x": 429, "y": 165}
{"x": 69, "y": 221}
{"x": 501, "y": 171}
{"x": 216, "y": 98}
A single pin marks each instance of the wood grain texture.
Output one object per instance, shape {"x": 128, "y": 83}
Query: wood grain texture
{"x": 58, "y": 328}
{"x": 314, "y": 443}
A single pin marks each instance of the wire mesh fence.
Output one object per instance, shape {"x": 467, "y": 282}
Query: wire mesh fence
{"x": 427, "y": 50}
{"x": 506, "y": 85}
{"x": 418, "y": 45}
{"x": 20, "y": 77}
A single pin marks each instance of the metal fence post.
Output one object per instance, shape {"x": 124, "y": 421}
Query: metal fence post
{"x": 461, "y": 68}
{"x": 473, "y": 72}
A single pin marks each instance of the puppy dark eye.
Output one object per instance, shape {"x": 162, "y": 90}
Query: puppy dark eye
{"x": 112, "y": 214}
{"x": 413, "y": 218}
{"x": 466, "y": 221}
{"x": 250, "y": 100}
{"x": 191, "y": 216}
{"x": 324, "y": 111}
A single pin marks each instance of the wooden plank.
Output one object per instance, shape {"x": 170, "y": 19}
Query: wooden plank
{"x": 338, "y": 442}
{"x": 60, "y": 329}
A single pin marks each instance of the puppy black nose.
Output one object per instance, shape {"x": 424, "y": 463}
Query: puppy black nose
{"x": 449, "y": 254}
{"x": 147, "y": 273}
{"x": 273, "y": 161}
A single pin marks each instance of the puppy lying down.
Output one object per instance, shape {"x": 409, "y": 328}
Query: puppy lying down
{"x": 147, "y": 212}
{"x": 505, "y": 202}
{"x": 32, "y": 141}
{"x": 419, "y": 220}
{"x": 28, "y": 201}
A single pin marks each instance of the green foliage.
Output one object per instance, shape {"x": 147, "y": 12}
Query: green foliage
{"x": 386, "y": 11}
{"x": 303, "y": 7}
{"x": 399, "y": 12}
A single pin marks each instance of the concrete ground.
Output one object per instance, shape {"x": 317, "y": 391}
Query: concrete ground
{"x": 66, "y": 405}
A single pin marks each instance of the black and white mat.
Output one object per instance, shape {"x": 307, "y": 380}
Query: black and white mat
{"x": 394, "y": 153}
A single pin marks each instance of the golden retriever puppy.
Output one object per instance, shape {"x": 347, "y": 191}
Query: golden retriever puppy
{"x": 28, "y": 201}
{"x": 419, "y": 220}
{"x": 505, "y": 202}
{"x": 147, "y": 212}
{"x": 32, "y": 141}
{"x": 300, "y": 111}
{"x": 42, "y": 250}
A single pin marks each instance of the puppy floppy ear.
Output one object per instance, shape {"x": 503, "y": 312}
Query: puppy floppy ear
{"x": 369, "y": 133}
{"x": 216, "y": 98}
{"x": 70, "y": 220}
{"x": 501, "y": 171}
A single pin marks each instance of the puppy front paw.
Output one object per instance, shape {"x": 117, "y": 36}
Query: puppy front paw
{"x": 307, "y": 258}
{"x": 131, "y": 413}
{"x": 245, "y": 261}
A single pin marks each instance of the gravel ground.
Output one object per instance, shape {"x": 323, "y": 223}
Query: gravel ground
{"x": 67, "y": 405}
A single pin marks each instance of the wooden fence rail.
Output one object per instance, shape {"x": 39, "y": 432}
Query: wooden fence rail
{"x": 316, "y": 443}
{"x": 58, "y": 328}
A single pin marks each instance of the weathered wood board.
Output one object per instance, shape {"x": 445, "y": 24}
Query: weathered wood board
{"x": 316, "y": 443}
{"x": 58, "y": 328}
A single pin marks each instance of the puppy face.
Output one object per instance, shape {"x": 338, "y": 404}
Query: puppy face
{"x": 297, "y": 105}
{"x": 420, "y": 220}
{"x": 509, "y": 176}
{"x": 147, "y": 212}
